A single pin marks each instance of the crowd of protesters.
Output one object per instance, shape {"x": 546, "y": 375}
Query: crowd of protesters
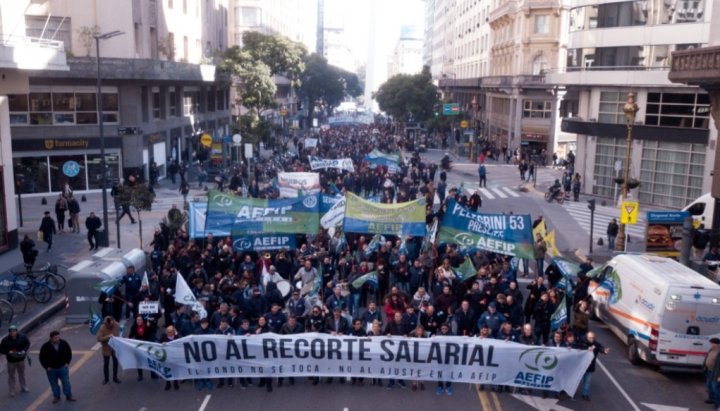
{"x": 418, "y": 292}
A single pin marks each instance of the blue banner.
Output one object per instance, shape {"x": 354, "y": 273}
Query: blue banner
{"x": 667, "y": 216}
{"x": 378, "y": 158}
{"x": 498, "y": 233}
{"x": 264, "y": 242}
{"x": 403, "y": 219}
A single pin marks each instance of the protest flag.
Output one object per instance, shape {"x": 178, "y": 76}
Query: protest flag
{"x": 95, "y": 321}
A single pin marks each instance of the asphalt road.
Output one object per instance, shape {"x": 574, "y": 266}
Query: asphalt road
{"x": 617, "y": 385}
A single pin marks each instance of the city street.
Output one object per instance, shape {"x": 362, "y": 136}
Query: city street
{"x": 617, "y": 385}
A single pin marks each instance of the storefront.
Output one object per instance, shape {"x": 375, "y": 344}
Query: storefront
{"x": 45, "y": 165}
{"x": 534, "y": 140}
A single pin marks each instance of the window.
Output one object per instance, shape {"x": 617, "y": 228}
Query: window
{"x": 156, "y": 103}
{"x": 188, "y": 103}
{"x": 40, "y": 108}
{"x": 186, "y": 51}
{"x": 111, "y": 107}
{"x": 86, "y": 108}
{"x": 247, "y": 16}
{"x": 18, "y": 104}
{"x": 671, "y": 174}
{"x": 153, "y": 43}
{"x": 536, "y": 109}
{"x": 170, "y": 4}
{"x": 687, "y": 110}
{"x": 172, "y": 96}
{"x": 184, "y": 6}
{"x": 611, "y": 107}
{"x": 542, "y": 24}
{"x": 50, "y": 28}
{"x": 607, "y": 151}
{"x": 211, "y": 100}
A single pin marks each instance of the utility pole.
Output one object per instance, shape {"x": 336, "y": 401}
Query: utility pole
{"x": 591, "y": 206}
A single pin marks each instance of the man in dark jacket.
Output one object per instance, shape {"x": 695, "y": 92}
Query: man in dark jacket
{"x": 29, "y": 253}
{"x": 612, "y": 232}
{"x": 55, "y": 357}
{"x": 47, "y": 227}
{"x": 465, "y": 319}
{"x": 595, "y": 348}
{"x": 93, "y": 223}
{"x": 14, "y": 347}
{"x": 74, "y": 209}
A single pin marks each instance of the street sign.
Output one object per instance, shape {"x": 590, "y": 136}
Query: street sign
{"x": 618, "y": 165}
{"x": 451, "y": 109}
{"x": 236, "y": 138}
{"x": 206, "y": 140}
{"x": 283, "y": 112}
{"x": 464, "y": 124}
{"x": 629, "y": 212}
{"x": 248, "y": 150}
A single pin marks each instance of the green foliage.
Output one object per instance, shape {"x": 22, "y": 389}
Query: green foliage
{"x": 404, "y": 96}
{"x": 326, "y": 86}
{"x": 255, "y": 129}
{"x": 281, "y": 55}
{"x": 138, "y": 196}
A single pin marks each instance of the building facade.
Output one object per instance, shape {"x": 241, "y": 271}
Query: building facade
{"x": 21, "y": 51}
{"x": 620, "y": 47}
{"x": 160, "y": 92}
{"x": 407, "y": 57}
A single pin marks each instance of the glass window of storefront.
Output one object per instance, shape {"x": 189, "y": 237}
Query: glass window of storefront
{"x": 94, "y": 170}
{"x": 607, "y": 151}
{"x": 42, "y": 174}
{"x": 671, "y": 174}
{"x": 31, "y": 174}
{"x": 688, "y": 110}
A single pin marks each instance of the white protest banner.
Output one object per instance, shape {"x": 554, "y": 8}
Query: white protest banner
{"x": 454, "y": 359}
{"x": 293, "y": 185}
{"x": 184, "y": 295}
{"x": 149, "y": 307}
{"x": 311, "y": 142}
{"x": 325, "y": 163}
{"x": 335, "y": 215}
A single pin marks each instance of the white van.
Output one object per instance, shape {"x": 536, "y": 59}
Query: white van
{"x": 703, "y": 207}
{"x": 664, "y": 311}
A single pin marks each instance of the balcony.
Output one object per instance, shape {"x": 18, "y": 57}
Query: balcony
{"x": 697, "y": 66}
{"x": 640, "y": 132}
{"x": 30, "y": 53}
{"x": 508, "y": 8}
{"x": 610, "y": 76}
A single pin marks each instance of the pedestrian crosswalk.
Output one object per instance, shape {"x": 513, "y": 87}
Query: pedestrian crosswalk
{"x": 497, "y": 192}
{"x": 580, "y": 212}
{"x": 164, "y": 200}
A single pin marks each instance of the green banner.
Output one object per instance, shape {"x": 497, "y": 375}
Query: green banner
{"x": 238, "y": 215}
{"x": 405, "y": 219}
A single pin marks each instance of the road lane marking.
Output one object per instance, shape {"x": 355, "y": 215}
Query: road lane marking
{"x": 205, "y": 403}
{"x": 511, "y": 192}
{"x": 46, "y": 394}
{"x": 496, "y": 401}
{"x": 484, "y": 400}
{"x": 96, "y": 346}
{"x": 487, "y": 193}
{"x": 617, "y": 385}
{"x": 499, "y": 192}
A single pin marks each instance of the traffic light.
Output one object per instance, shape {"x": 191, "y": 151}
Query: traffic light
{"x": 591, "y": 204}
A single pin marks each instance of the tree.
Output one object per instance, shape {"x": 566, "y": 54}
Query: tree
{"x": 255, "y": 86}
{"x": 140, "y": 198}
{"x": 281, "y": 55}
{"x": 326, "y": 86}
{"x": 406, "y": 97}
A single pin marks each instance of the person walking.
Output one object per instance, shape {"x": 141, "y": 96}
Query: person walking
{"x": 47, "y": 228}
{"x": 595, "y": 348}
{"x": 184, "y": 190}
{"x": 29, "y": 253}
{"x": 60, "y": 208}
{"x": 612, "y": 232}
{"x": 576, "y": 187}
{"x": 74, "y": 209}
{"x": 55, "y": 357}
{"x": 14, "y": 347}
{"x": 482, "y": 173}
{"x": 93, "y": 223}
{"x": 109, "y": 328}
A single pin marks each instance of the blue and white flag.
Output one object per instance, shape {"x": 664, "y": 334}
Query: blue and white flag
{"x": 107, "y": 286}
{"x": 95, "y": 321}
{"x": 371, "y": 278}
{"x": 184, "y": 295}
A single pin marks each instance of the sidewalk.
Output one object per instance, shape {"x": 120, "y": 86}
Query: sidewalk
{"x": 70, "y": 248}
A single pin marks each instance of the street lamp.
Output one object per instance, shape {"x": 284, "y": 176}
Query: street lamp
{"x": 105, "y": 239}
{"x": 630, "y": 109}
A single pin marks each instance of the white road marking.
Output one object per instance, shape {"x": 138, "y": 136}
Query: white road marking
{"x": 486, "y": 193}
{"x": 205, "y": 403}
{"x": 499, "y": 192}
{"x": 542, "y": 404}
{"x": 345, "y": 409}
{"x": 617, "y": 385}
{"x": 96, "y": 346}
{"x": 660, "y": 407}
{"x": 511, "y": 192}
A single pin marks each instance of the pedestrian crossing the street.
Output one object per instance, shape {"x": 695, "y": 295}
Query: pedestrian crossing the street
{"x": 488, "y": 193}
{"x": 580, "y": 212}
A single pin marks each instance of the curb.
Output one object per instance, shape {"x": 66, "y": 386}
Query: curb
{"x": 50, "y": 310}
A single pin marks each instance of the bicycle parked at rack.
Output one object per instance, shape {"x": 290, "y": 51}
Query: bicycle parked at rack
{"x": 47, "y": 274}
{"x": 39, "y": 290}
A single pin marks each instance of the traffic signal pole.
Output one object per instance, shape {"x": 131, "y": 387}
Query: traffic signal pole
{"x": 591, "y": 206}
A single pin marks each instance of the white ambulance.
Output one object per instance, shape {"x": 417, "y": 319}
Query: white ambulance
{"x": 665, "y": 312}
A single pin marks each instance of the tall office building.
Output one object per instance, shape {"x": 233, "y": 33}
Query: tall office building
{"x": 407, "y": 57}
{"x": 620, "y": 47}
